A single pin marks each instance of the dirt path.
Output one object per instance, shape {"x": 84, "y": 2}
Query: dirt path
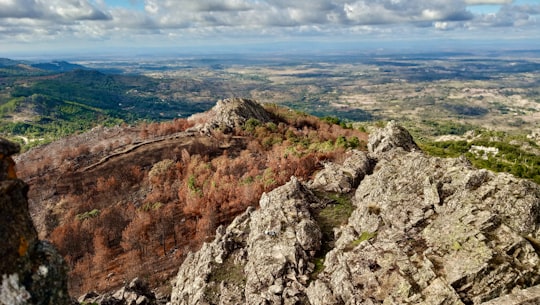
{"x": 135, "y": 146}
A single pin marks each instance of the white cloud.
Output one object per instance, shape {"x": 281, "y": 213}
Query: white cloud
{"x": 51, "y": 9}
{"x": 188, "y": 19}
{"x": 441, "y": 25}
{"x": 512, "y": 16}
{"x": 487, "y": 2}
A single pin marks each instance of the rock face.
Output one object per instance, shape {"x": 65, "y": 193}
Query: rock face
{"x": 31, "y": 271}
{"x": 263, "y": 257}
{"x": 136, "y": 292}
{"x": 232, "y": 112}
{"x": 424, "y": 230}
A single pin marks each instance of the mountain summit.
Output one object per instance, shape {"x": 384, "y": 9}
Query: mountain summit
{"x": 230, "y": 113}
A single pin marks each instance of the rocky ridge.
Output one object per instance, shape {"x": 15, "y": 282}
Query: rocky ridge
{"x": 32, "y": 272}
{"x": 424, "y": 230}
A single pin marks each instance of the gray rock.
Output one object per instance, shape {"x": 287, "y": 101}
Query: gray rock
{"x": 230, "y": 113}
{"x": 137, "y": 292}
{"x": 391, "y": 137}
{"x": 450, "y": 235}
{"x": 529, "y": 296}
{"x": 246, "y": 264}
{"x": 215, "y": 273}
{"x": 343, "y": 178}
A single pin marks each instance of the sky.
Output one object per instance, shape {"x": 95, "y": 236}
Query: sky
{"x": 39, "y": 27}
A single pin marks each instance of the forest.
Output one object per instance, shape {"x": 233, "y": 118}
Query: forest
{"x": 143, "y": 220}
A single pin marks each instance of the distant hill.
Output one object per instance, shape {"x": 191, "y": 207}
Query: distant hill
{"x": 59, "y": 66}
{"x": 13, "y": 68}
{"x": 50, "y": 100}
{"x": 6, "y": 62}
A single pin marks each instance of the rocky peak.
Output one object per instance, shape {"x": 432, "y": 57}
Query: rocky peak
{"x": 31, "y": 271}
{"x": 232, "y": 112}
{"x": 393, "y": 136}
{"x": 424, "y": 230}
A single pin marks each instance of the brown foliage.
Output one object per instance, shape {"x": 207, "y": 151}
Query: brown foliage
{"x": 151, "y": 216}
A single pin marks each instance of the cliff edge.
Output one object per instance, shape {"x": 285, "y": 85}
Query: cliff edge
{"x": 31, "y": 271}
{"x": 423, "y": 230}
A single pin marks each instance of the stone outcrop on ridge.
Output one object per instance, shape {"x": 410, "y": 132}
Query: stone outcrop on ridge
{"x": 230, "y": 113}
{"x": 263, "y": 257}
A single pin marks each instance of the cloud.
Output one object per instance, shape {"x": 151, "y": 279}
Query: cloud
{"x": 60, "y": 10}
{"x": 256, "y": 14}
{"x": 175, "y": 20}
{"x": 511, "y": 16}
{"x": 487, "y": 2}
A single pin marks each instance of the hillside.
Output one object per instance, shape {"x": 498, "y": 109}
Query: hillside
{"x": 450, "y": 235}
{"x": 121, "y": 202}
{"x": 42, "y": 102}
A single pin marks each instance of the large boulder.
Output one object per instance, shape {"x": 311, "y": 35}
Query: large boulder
{"x": 393, "y": 136}
{"x": 31, "y": 271}
{"x": 343, "y": 178}
{"x": 230, "y": 113}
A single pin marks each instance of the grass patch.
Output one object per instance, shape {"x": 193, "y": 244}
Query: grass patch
{"x": 335, "y": 214}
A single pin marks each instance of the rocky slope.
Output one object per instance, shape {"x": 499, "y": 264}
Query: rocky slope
{"x": 424, "y": 230}
{"x": 32, "y": 272}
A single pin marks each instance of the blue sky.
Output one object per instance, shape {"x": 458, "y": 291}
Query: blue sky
{"x": 39, "y": 27}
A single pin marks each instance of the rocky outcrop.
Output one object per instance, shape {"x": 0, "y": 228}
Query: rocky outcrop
{"x": 390, "y": 137}
{"x": 230, "y": 113}
{"x": 136, "y": 292}
{"x": 263, "y": 257}
{"x": 450, "y": 235}
{"x": 424, "y": 230}
{"x": 343, "y": 178}
{"x": 31, "y": 271}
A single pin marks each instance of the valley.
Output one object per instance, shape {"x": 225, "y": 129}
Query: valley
{"x": 125, "y": 183}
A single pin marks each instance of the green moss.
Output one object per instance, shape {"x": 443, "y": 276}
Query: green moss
{"x": 363, "y": 237}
